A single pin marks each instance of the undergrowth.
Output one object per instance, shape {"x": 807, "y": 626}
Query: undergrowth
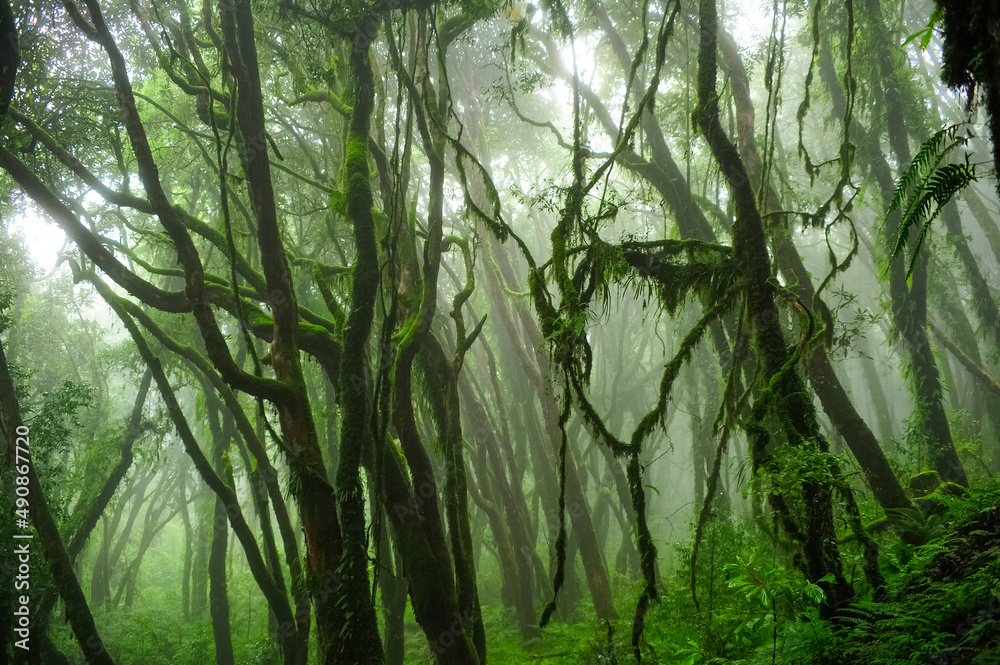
{"x": 942, "y": 606}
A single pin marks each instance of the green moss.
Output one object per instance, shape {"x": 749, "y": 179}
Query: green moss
{"x": 924, "y": 483}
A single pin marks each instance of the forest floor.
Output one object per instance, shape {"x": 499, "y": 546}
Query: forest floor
{"x": 942, "y": 607}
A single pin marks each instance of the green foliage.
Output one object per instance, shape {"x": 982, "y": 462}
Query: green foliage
{"x": 946, "y": 605}
{"x": 848, "y": 330}
{"x": 772, "y": 585}
{"x": 924, "y": 189}
{"x": 761, "y": 609}
{"x": 925, "y": 35}
{"x": 672, "y": 271}
{"x": 15, "y": 271}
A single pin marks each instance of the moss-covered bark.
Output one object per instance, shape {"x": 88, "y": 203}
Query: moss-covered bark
{"x": 784, "y": 388}
{"x": 442, "y": 391}
{"x": 836, "y": 402}
{"x": 355, "y": 611}
{"x": 972, "y": 56}
{"x": 909, "y": 300}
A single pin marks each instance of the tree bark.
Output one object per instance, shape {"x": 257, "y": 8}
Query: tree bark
{"x": 877, "y": 394}
{"x": 218, "y": 593}
{"x": 791, "y": 402}
{"x": 909, "y": 302}
{"x": 360, "y": 642}
{"x": 838, "y": 406}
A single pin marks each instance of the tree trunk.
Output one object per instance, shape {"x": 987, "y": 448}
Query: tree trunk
{"x": 909, "y": 302}
{"x": 879, "y": 476}
{"x": 199, "y": 561}
{"x": 791, "y": 403}
{"x": 218, "y": 607}
{"x": 218, "y": 594}
{"x": 392, "y": 588}
{"x": 188, "y": 556}
{"x": 590, "y": 549}
{"x": 984, "y": 219}
{"x": 877, "y": 394}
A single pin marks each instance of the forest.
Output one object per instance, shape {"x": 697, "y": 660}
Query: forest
{"x": 455, "y": 332}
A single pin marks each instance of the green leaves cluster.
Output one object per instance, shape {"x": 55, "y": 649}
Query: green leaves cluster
{"x": 772, "y": 586}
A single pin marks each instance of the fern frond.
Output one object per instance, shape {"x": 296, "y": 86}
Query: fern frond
{"x": 924, "y": 188}
{"x": 930, "y": 153}
{"x": 946, "y": 182}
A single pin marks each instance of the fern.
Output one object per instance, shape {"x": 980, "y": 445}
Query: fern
{"x": 929, "y": 154}
{"x": 925, "y": 188}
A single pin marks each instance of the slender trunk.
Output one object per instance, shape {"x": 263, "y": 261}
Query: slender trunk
{"x": 332, "y": 444}
{"x": 138, "y": 501}
{"x": 218, "y": 606}
{"x": 276, "y": 597}
{"x": 837, "y": 404}
{"x": 152, "y": 525}
{"x": 983, "y": 304}
{"x": 100, "y": 583}
{"x": 546, "y": 495}
{"x": 492, "y": 493}
{"x": 392, "y": 588}
{"x": 429, "y": 580}
{"x": 346, "y": 626}
{"x": 977, "y": 371}
{"x": 188, "y": 555}
{"x": 100, "y": 587}
{"x": 100, "y": 502}
{"x": 218, "y": 594}
{"x": 591, "y": 553}
{"x": 448, "y": 612}
{"x": 203, "y": 509}
{"x": 986, "y": 404}
{"x": 515, "y": 581}
{"x": 985, "y": 220}
{"x": 263, "y": 475}
{"x": 876, "y": 393}
{"x": 512, "y": 492}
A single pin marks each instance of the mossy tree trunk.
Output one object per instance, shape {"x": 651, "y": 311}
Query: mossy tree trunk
{"x": 790, "y": 401}
{"x": 837, "y": 404}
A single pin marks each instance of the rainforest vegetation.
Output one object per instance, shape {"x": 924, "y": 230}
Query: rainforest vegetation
{"x": 355, "y": 332}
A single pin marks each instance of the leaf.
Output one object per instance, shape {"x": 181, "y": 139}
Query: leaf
{"x": 927, "y": 33}
{"x": 654, "y": 489}
{"x": 930, "y": 152}
{"x": 925, "y": 188}
{"x": 814, "y": 593}
{"x": 338, "y": 202}
{"x": 922, "y": 35}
